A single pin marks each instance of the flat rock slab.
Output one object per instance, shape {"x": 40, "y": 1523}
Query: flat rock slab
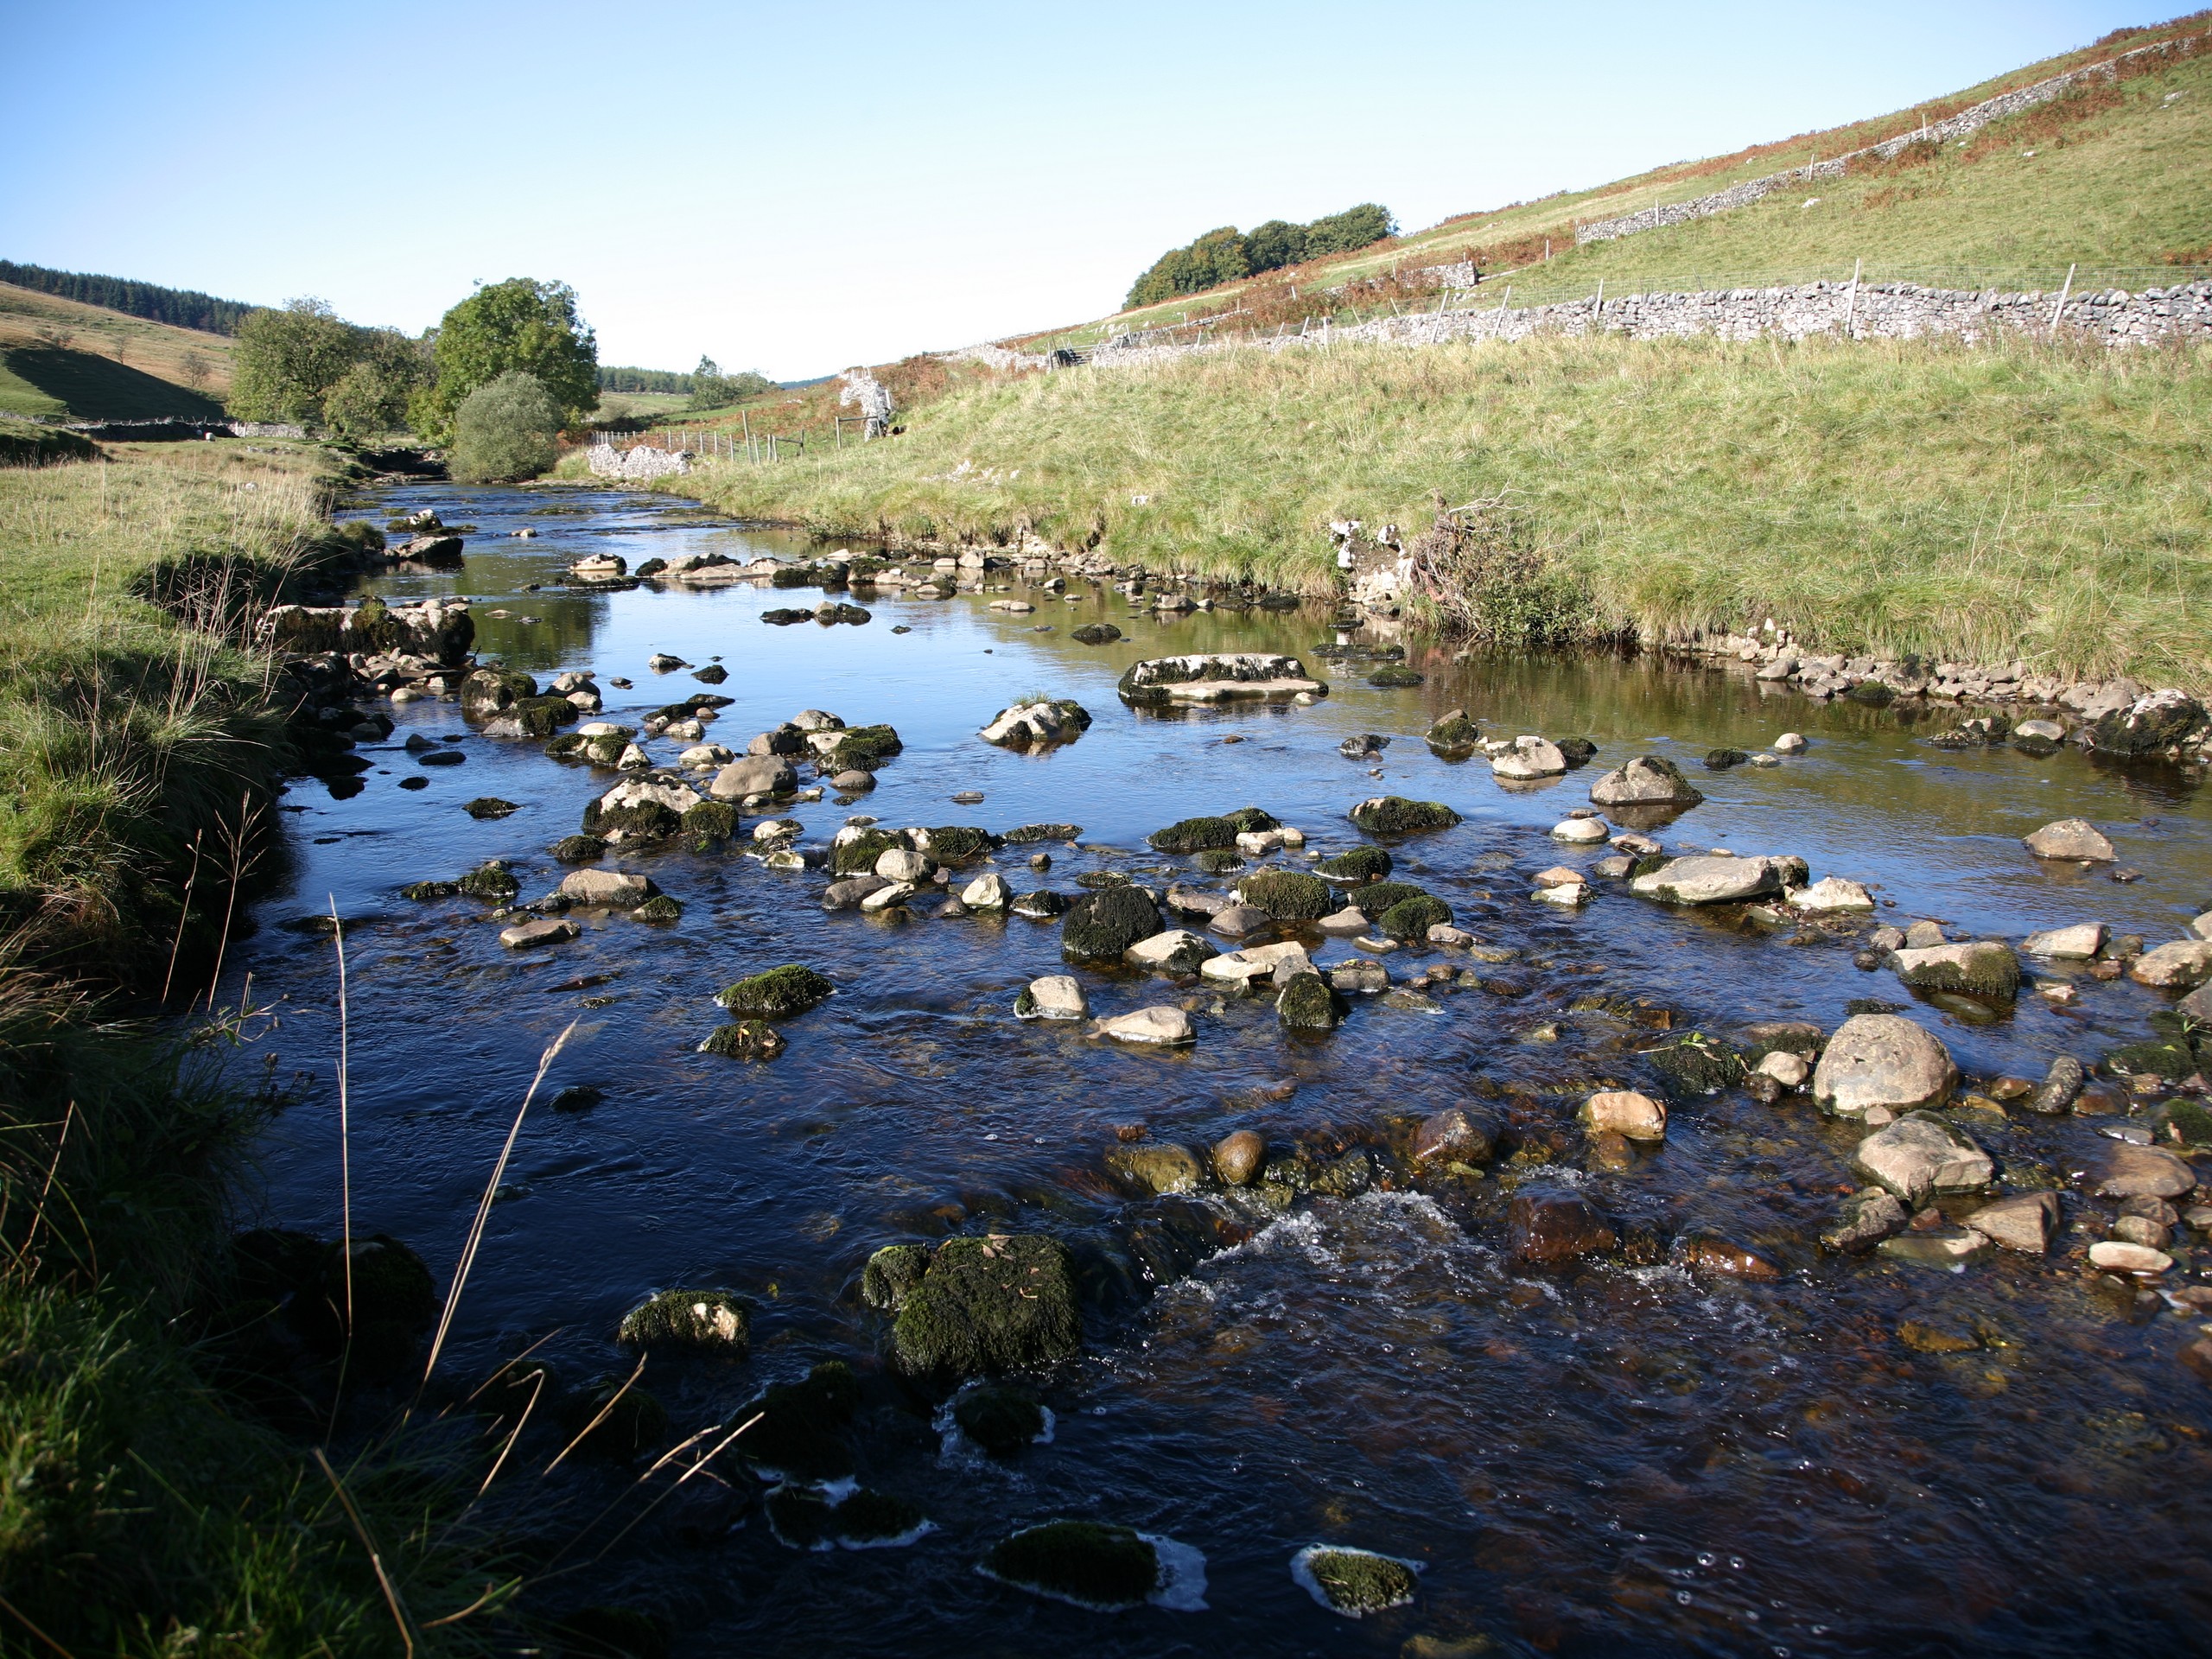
{"x": 607, "y": 889}
{"x": 1703, "y": 878}
{"x": 2122, "y": 1171}
{"x": 1275, "y": 962}
{"x": 2077, "y": 943}
{"x": 545, "y": 930}
{"x": 1176, "y": 952}
{"x": 1159, "y": 1028}
{"x": 2175, "y": 966}
{"x": 1920, "y": 1155}
{"x": 1981, "y": 968}
{"x": 1831, "y": 894}
{"x": 1218, "y": 678}
{"x": 1946, "y": 1250}
{"x": 2024, "y": 1222}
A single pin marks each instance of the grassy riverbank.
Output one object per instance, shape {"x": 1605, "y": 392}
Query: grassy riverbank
{"x": 2027, "y": 501}
{"x": 144, "y": 1509}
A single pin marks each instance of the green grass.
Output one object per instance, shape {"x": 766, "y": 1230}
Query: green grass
{"x": 2047, "y": 503}
{"x": 48, "y": 379}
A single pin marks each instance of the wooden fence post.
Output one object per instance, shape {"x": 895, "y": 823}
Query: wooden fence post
{"x": 2059, "y": 310}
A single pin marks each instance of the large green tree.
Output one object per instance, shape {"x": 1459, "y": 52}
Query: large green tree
{"x": 287, "y": 361}
{"x": 520, "y": 325}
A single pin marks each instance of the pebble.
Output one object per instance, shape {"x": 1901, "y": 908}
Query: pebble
{"x": 1163, "y": 1027}
{"x": 2116, "y": 1256}
{"x": 1623, "y": 1111}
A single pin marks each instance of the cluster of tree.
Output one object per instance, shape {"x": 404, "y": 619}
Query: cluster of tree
{"x": 1226, "y": 256}
{"x": 706, "y": 386}
{"x": 305, "y": 363}
{"x": 181, "y": 308}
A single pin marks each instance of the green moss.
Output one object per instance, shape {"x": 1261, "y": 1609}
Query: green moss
{"x": 1001, "y": 1303}
{"x": 658, "y": 908}
{"x": 803, "y": 1427}
{"x": 542, "y": 717}
{"x": 2172, "y": 1060}
{"x": 867, "y": 1516}
{"x": 957, "y": 843}
{"x": 801, "y": 1517}
{"x": 1455, "y": 736}
{"x": 1219, "y": 860}
{"x": 1078, "y": 1560}
{"x": 858, "y": 855}
{"x": 634, "y": 1421}
{"x": 640, "y": 819}
{"x": 1043, "y": 902}
{"x": 779, "y": 993}
{"x": 1394, "y": 814}
{"x": 1372, "y": 900}
{"x": 1101, "y": 925}
{"x": 1409, "y": 919}
{"x": 578, "y": 849}
{"x": 1023, "y": 834}
{"x": 893, "y": 1272}
{"x": 1096, "y": 633}
{"x": 1288, "y": 895}
{"x": 1357, "y": 1581}
{"x": 431, "y": 890}
{"x": 1001, "y": 1421}
{"x": 564, "y": 745}
{"x": 689, "y": 1321}
{"x": 491, "y": 881}
{"x": 862, "y": 749}
{"x": 2190, "y": 1119}
{"x": 1358, "y": 864}
{"x": 1194, "y": 835}
{"x": 1696, "y": 1065}
{"x": 1396, "y": 676}
{"x": 489, "y": 690}
{"x": 1306, "y": 1003}
{"x": 744, "y": 1039}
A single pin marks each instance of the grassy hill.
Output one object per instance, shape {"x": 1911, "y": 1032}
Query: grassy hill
{"x": 62, "y": 358}
{"x": 2120, "y": 182}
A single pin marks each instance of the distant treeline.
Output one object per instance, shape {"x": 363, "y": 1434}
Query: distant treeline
{"x": 1224, "y": 255}
{"x": 181, "y": 308}
{"x": 706, "y": 378}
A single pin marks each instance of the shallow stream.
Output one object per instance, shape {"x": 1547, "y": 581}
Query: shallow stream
{"x": 1626, "y": 1459}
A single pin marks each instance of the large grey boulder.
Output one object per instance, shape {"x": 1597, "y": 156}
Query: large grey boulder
{"x": 1176, "y": 952}
{"x": 1704, "y": 879}
{"x": 2077, "y": 943}
{"x": 2175, "y": 967}
{"x": 2122, "y": 1171}
{"x": 1920, "y": 1155}
{"x": 1983, "y": 967}
{"x": 1648, "y": 780}
{"x": 607, "y": 889}
{"x": 1530, "y": 758}
{"x": 2070, "y": 838}
{"x": 757, "y": 774}
{"x": 1881, "y": 1059}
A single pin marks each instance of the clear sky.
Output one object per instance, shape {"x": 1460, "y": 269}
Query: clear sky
{"x": 798, "y": 188}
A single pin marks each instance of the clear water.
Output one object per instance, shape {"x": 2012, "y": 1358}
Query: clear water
{"x": 1625, "y": 1460}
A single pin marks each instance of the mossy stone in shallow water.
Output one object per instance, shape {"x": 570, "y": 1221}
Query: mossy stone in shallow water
{"x": 1219, "y": 860}
{"x": 1004, "y": 1302}
{"x": 1358, "y": 864}
{"x": 867, "y": 1516}
{"x": 493, "y": 881}
{"x": 1394, "y": 814}
{"x": 578, "y": 849}
{"x": 710, "y": 821}
{"x": 858, "y": 855}
{"x": 1288, "y": 895}
{"x": 1081, "y": 1561}
{"x": 1455, "y": 734}
{"x": 862, "y": 748}
{"x": 802, "y": 1431}
{"x": 688, "y": 1321}
{"x": 890, "y": 1274}
{"x": 646, "y": 820}
{"x": 1372, "y": 900}
{"x": 486, "y": 807}
{"x": 1102, "y": 925}
{"x": 779, "y": 993}
{"x": 431, "y": 890}
{"x": 658, "y": 908}
{"x": 1409, "y": 919}
{"x": 1355, "y": 1582}
{"x": 1696, "y": 1065}
{"x": 744, "y": 1039}
{"x": 1096, "y": 633}
{"x": 1306, "y": 1003}
{"x": 2172, "y": 1061}
{"x": 956, "y": 844}
{"x": 1395, "y": 675}
{"x": 1001, "y": 1421}
{"x": 1199, "y": 834}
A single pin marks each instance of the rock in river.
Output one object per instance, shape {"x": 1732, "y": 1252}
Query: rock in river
{"x": 1152, "y": 1168}
{"x": 1307, "y": 1002}
{"x": 987, "y": 892}
{"x": 1102, "y": 926}
{"x": 2070, "y": 838}
{"x": 690, "y": 1321}
{"x": 1028, "y": 725}
{"x": 2077, "y": 943}
{"x": 757, "y": 774}
{"x": 779, "y": 992}
{"x": 2024, "y": 1222}
{"x": 1176, "y": 952}
{"x": 1549, "y": 1229}
{"x": 607, "y": 889}
{"x": 1623, "y": 1111}
{"x": 2175, "y": 966}
{"x": 1237, "y": 1157}
{"x": 1881, "y": 1059}
{"x": 1920, "y": 1155}
{"x": 545, "y": 930}
{"x": 2122, "y": 1171}
{"x": 1002, "y": 1302}
{"x": 1455, "y": 1136}
{"x": 1702, "y": 878}
{"x": 1530, "y": 758}
{"x": 1984, "y": 967}
{"x": 1162, "y": 1027}
{"x": 1648, "y": 780}
{"x": 1162, "y": 680}
{"x": 1056, "y": 997}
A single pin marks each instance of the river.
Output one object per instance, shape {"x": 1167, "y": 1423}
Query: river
{"x": 1628, "y": 1458}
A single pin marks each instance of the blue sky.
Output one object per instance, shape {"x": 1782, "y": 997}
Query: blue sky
{"x": 798, "y": 187}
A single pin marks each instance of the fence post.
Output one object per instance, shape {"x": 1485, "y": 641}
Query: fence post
{"x": 1851, "y": 311}
{"x": 2059, "y": 310}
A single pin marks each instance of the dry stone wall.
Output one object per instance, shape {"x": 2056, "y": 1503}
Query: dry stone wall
{"x": 1957, "y": 126}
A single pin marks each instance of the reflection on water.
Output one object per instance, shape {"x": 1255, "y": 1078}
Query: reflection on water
{"x": 1638, "y": 1458}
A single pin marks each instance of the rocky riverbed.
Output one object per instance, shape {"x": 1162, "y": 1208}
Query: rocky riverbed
{"x": 1414, "y": 1154}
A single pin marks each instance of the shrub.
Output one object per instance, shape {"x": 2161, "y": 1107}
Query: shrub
{"x": 504, "y": 430}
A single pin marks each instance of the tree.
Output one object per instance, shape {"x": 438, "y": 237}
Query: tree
{"x": 505, "y": 429}
{"x": 1276, "y": 244}
{"x": 520, "y": 325}
{"x": 287, "y": 361}
{"x": 712, "y": 389}
{"x": 1355, "y": 227}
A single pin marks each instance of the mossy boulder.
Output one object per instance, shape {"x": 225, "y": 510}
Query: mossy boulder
{"x": 1355, "y": 1582}
{"x": 1455, "y": 734}
{"x": 1200, "y": 835}
{"x": 423, "y": 890}
{"x": 1372, "y": 900}
{"x": 1096, "y": 633}
{"x": 609, "y": 1420}
{"x": 1409, "y": 919}
{"x": 744, "y": 1039}
{"x": 1000, "y": 1420}
{"x": 1306, "y": 1003}
{"x": 999, "y": 1303}
{"x": 639, "y": 820}
{"x": 1356, "y": 865}
{"x": 489, "y": 808}
{"x": 579, "y": 849}
{"x": 1394, "y": 814}
{"x": 2172, "y": 1060}
{"x": 858, "y": 855}
{"x": 567, "y": 747}
{"x": 1101, "y": 925}
{"x": 805, "y": 1517}
{"x": 891, "y": 1273}
{"x": 1218, "y": 860}
{"x": 960, "y": 843}
{"x": 862, "y": 748}
{"x": 803, "y": 1429}
{"x": 1082, "y": 1561}
{"x": 491, "y": 881}
{"x": 1288, "y": 895}
{"x": 542, "y": 717}
{"x": 1395, "y": 675}
{"x": 661, "y": 907}
{"x": 777, "y": 993}
{"x": 710, "y": 821}
{"x": 1696, "y": 1065}
{"x": 490, "y": 692}
{"x": 688, "y": 1321}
